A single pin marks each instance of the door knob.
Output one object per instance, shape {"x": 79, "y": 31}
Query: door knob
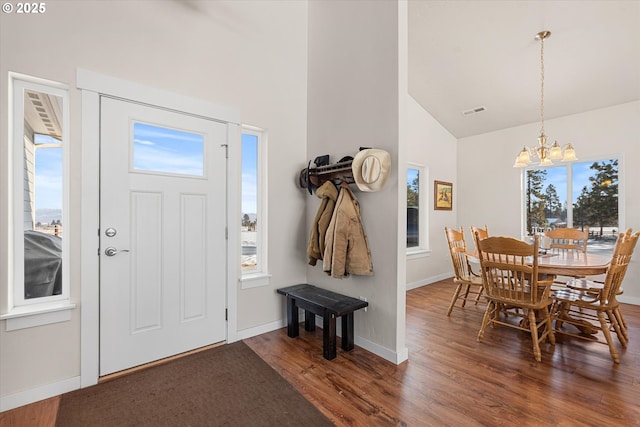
{"x": 111, "y": 251}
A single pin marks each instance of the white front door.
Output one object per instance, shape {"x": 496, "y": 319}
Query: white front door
{"x": 162, "y": 233}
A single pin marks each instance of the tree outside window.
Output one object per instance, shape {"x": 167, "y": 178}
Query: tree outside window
{"x": 579, "y": 195}
{"x": 597, "y": 204}
{"x": 413, "y": 208}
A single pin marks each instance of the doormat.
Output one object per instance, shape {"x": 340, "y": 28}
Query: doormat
{"x": 228, "y": 385}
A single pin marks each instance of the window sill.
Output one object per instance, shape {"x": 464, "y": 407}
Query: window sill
{"x": 37, "y": 315}
{"x": 254, "y": 280}
{"x": 418, "y": 253}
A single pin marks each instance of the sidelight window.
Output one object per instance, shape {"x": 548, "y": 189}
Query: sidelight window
{"x": 253, "y": 210}
{"x": 38, "y": 204}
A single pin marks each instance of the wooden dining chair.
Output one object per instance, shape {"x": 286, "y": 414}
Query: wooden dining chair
{"x": 468, "y": 284}
{"x": 565, "y": 240}
{"x": 510, "y": 275}
{"x": 568, "y": 239}
{"x": 591, "y": 307}
{"x": 483, "y": 233}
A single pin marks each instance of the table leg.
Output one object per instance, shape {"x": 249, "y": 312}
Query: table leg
{"x": 329, "y": 336}
{"x": 292, "y": 318}
{"x": 582, "y": 325}
{"x": 309, "y": 321}
{"x": 347, "y": 332}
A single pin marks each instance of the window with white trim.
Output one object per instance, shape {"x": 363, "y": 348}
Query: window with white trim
{"x": 253, "y": 208}
{"x": 39, "y": 230}
{"x": 579, "y": 195}
{"x": 416, "y": 209}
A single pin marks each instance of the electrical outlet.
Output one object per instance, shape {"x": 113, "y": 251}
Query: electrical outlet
{"x": 365, "y": 300}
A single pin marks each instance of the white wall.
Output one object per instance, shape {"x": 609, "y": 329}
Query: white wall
{"x": 434, "y": 147}
{"x": 489, "y": 187}
{"x": 247, "y": 55}
{"x": 353, "y": 97}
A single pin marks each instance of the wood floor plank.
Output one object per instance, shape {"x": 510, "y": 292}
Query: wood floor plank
{"x": 40, "y": 414}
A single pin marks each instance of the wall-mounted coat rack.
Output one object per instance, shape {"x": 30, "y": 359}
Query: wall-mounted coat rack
{"x": 368, "y": 169}
{"x": 313, "y": 177}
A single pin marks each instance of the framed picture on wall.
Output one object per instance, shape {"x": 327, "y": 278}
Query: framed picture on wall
{"x": 442, "y": 195}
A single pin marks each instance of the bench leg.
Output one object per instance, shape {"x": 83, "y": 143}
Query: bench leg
{"x": 309, "y": 321}
{"x": 347, "y": 332}
{"x": 292, "y": 318}
{"x": 329, "y": 336}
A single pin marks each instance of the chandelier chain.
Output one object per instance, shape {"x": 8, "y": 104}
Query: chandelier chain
{"x": 542, "y": 85}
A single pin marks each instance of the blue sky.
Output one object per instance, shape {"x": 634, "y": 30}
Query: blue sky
{"x": 48, "y": 180}
{"x": 557, "y": 176}
{"x": 581, "y": 174}
{"x": 167, "y": 150}
{"x": 249, "y": 170}
{"x": 411, "y": 175}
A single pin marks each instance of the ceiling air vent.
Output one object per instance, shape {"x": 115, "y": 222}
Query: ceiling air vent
{"x": 474, "y": 111}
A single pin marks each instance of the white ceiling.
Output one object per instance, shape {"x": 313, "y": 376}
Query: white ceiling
{"x": 465, "y": 54}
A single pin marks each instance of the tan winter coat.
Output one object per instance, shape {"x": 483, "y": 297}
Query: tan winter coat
{"x": 328, "y": 193}
{"x": 346, "y": 246}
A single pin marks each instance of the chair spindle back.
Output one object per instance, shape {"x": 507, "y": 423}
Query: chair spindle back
{"x": 458, "y": 249}
{"x": 510, "y": 269}
{"x": 568, "y": 239}
{"x": 618, "y": 267}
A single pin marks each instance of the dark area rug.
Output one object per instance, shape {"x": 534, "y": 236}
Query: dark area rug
{"x": 228, "y": 385}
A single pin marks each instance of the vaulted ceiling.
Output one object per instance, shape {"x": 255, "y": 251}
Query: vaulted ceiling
{"x": 468, "y": 54}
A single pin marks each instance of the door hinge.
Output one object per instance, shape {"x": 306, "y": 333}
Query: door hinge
{"x": 226, "y": 150}
{"x": 226, "y": 314}
{"x": 226, "y": 233}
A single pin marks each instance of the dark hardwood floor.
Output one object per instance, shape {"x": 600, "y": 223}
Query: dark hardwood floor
{"x": 450, "y": 378}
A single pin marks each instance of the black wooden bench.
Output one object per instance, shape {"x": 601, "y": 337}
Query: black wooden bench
{"x": 329, "y": 305}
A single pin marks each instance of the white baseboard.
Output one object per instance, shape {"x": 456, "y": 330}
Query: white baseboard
{"x": 258, "y": 330}
{"x": 385, "y": 353}
{"x": 428, "y": 281}
{"x": 16, "y": 400}
{"x": 629, "y": 300}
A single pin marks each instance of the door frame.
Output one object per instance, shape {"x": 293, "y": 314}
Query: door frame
{"x": 92, "y": 85}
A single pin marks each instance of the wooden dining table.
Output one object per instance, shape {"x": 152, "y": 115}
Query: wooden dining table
{"x": 566, "y": 263}
{"x": 571, "y": 263}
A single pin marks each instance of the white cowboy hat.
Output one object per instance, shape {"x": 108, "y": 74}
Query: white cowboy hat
{"x": 370, "y": 169}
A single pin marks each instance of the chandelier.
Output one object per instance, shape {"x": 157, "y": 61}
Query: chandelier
{"x": 544, "y": 154}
